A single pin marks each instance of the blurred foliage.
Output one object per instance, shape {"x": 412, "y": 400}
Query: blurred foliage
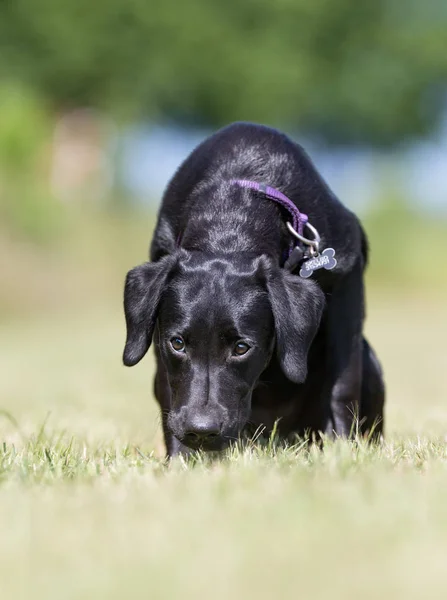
{"x": 351, "y": 70}
{"x": 26, "y": 205}
{"x": 23, "y": 128}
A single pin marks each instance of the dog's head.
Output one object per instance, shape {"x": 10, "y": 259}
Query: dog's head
{"x": 217, "y": 322}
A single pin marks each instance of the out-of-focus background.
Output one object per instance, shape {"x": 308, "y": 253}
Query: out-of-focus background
{"x": 99, "y": 102}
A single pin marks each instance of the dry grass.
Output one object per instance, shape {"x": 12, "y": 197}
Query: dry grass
{"x": 87, "y": 510}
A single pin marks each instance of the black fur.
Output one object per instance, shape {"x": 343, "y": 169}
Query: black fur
{"x": 216, "y": 277}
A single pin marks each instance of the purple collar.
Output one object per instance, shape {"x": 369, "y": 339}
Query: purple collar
{"x": 299, "y": 219}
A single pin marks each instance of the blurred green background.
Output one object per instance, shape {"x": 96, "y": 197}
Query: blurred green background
{"x": 100, "y": 101}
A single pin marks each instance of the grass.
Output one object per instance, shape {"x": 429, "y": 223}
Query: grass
{"x": 110, "y": 522}
{"x": 89, "y": 509}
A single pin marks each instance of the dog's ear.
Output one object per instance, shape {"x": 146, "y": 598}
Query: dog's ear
{"x": 297, "y": 306}
{"x": 142, "y": 292}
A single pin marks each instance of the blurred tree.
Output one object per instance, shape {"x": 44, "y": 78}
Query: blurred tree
{"x": 25, "y": 130}
{"x": 351, "y": 70}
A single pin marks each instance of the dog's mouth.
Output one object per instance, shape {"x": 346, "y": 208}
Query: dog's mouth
{"x": 212, "y": 443}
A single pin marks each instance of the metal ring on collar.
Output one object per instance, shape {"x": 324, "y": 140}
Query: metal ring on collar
{"x": 314, "y": 244}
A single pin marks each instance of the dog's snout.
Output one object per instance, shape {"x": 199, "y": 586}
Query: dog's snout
{"x": 201, "y": 430}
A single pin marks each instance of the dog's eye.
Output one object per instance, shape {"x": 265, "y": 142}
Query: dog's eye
{"x": 178, "y": 344}
{"x": 241, "y": 348}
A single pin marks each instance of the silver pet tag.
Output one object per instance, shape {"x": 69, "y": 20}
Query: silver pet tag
{"x": 325, "y": 260}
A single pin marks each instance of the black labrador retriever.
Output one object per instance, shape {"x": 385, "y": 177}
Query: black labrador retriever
{"x": 255, "y": 299}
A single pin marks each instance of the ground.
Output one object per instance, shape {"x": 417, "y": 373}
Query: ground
{"x": 88, "y": 510}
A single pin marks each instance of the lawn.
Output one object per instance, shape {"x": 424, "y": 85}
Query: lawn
{"x": 88, "y": 509}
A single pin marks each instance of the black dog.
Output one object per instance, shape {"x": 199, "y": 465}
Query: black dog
{"x": 251, "y": 325}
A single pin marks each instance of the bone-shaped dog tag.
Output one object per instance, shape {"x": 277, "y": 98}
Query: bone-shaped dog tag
{"x": 325, "y": 260}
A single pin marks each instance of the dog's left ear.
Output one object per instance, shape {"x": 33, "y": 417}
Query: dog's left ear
{"x": 297, "y": 306}
{"x": 143, "y": 289}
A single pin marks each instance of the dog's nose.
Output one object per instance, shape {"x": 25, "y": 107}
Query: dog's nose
{"x": 202, "y": 430}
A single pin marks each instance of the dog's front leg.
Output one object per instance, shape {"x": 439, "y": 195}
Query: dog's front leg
{"x": 345, "y": 345}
